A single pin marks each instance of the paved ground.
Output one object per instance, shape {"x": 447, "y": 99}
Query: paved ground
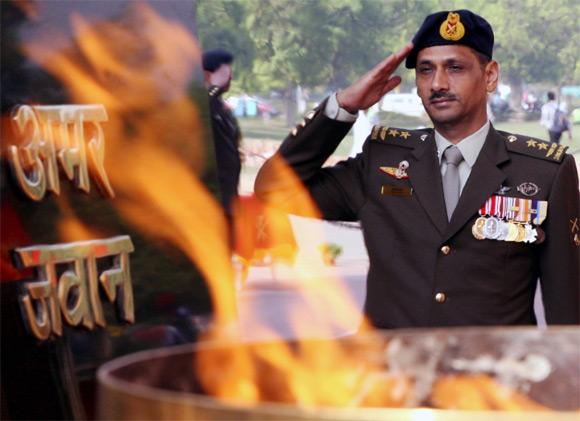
{"x": 308, "y": 299}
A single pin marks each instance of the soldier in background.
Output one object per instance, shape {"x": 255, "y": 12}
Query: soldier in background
{"x": 460, "y": 221}
{"x": 217, "y": 66}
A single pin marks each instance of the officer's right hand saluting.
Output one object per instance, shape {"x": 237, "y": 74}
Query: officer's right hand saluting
{"x": 370, "y": 88}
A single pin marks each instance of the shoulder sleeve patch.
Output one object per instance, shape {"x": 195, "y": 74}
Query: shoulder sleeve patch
{"x": 533, "y": 147}
{"x": 402, "y": 137}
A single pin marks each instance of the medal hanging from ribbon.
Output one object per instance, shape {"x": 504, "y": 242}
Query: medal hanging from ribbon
{"x": 505, "y": 218}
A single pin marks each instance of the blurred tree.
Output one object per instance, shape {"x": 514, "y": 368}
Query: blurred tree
{"x": 281, "y": 44}
{"x": 536, "y": 40}
{"x": 320, "y": 43}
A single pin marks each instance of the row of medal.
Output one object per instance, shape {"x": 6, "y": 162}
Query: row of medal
{"x": 511, "y": 219}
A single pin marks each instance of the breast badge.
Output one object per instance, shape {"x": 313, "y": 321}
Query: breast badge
{"x": 400, "y": 172}
{"x": 503, "y": 190}
{"x": 514, "y": 219}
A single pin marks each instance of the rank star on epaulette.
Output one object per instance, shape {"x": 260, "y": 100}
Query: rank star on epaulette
{"x": 531, "y": 143}
{"x": 393, "y": 132}
{"x": 542, "y": 146}
{"x": 405, "y": 134}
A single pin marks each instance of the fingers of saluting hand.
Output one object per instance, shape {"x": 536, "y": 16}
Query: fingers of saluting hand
{"x": 390, "y": 64}
{"x": 390, "y": 84}
{"x": 374, "y": 84}
{"x": 382, "y": 73}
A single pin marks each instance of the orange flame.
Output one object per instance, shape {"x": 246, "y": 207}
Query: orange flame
{"x": 140, "y": 69}
{"x": 142, "y": 79}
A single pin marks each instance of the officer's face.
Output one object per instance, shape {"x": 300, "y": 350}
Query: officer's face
{"x": 453, "y": 85}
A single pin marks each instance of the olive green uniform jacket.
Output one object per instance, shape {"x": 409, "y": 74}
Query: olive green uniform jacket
{"x": 426, "y": 271}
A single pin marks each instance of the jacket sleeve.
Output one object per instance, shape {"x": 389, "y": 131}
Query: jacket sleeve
{"x": 559, "y": 257}
{"x": 338, "y": 191}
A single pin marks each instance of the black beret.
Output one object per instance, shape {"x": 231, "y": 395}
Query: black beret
{"x": 213, "y": 59}
{"x": 461, "y": 27}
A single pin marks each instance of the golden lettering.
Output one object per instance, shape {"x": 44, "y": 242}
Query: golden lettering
{"x": 117, "y": 281}
{"x": 40, "y": 308}
{"x": 75, "y": 305}
{"x": 26, "y": 161}
{"x": 56, "y": 133}
{"x": 93, "y": 279}
{"x": 76, "y": 292}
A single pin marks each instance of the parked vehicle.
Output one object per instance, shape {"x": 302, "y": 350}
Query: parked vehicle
{"x": 251, "y": 106}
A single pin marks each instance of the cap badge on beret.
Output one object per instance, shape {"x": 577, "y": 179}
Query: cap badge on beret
{"x": 452, "y": 29}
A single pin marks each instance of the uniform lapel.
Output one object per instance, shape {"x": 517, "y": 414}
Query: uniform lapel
{"x": 484, "y": 180}
{"x": 425, "y": 177}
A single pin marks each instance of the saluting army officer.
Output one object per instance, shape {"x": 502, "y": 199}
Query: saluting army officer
{"x": 460, "y": 221}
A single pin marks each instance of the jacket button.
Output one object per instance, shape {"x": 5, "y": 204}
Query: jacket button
{"x": 445, "y": 250}
{"x": 440, "y": 297}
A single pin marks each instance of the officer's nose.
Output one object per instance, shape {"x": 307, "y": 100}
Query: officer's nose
{"x": 440, "y": 82}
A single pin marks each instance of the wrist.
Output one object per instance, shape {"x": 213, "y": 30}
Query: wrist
{"x": 343, "y": 105}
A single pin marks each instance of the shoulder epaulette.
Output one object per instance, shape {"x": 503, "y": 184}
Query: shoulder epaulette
{"x": 214, "y": 90}
{"x": 533, "y": 147}
{"x": 402, "y": 137}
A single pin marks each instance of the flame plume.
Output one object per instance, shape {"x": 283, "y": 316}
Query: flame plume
{"x": 140, "y": 68}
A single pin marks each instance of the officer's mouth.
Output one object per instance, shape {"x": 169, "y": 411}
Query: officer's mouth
{"x": 442, "y": 102}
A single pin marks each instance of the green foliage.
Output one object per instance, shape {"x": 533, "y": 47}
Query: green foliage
{"x": 317, "y": 43}
{"x": 536, "y": 40}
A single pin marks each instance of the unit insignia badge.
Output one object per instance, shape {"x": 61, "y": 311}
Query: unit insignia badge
{"x": 528, "y": 189}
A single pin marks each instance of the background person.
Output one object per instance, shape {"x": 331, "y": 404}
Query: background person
{"x": 555, "y": 118}
{"x": 217, "y": 66}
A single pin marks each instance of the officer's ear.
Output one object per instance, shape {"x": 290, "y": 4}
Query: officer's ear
{"x": 491, "y": 75}
{"x": 207, "y": 76}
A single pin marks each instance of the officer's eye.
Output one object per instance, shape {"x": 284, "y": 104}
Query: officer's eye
{"x": 424, "y": 69}
{"x": 455, "y": 68}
